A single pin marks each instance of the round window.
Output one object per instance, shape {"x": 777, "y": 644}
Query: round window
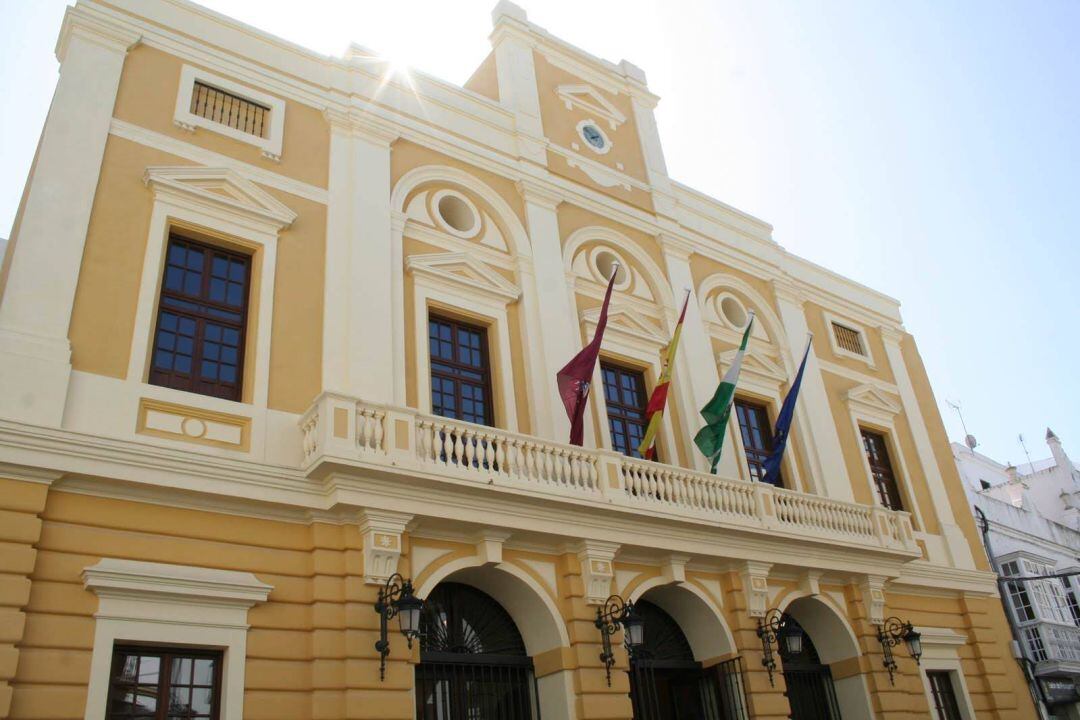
{"x": 456, "y": 213}
{"x": 733, "y": 311}
{"x": 605, "y": 262}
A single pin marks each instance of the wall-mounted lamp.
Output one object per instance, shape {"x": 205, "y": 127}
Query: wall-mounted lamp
{"x": 775, "y": 628}
{"x": 890, "y": 635}
{"x": 396, "y": 598}
{"x": 615, "y": 613}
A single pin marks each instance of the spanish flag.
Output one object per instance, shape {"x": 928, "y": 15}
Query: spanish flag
{"x": 654, "y": 411}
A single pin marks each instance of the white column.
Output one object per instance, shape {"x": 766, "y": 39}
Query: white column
{"x": 516, "y": 75}
{"x": 358, "y": 322}
{"x": 558, "y": 318}
{"x": 813, "y": 415}
{"x": 696, "y": 376}
{"x": 35, "y": 354}
{"x": 959, "y": 549}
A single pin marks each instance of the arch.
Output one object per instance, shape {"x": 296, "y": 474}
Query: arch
{"x": 766, "y": 315}
{"x": 653, "y": 275}
{"x": 835, "y": 641}
{"x": 434, "y": 173}
{"x": 534, "y": 613}
{"x": 529, "y": 604}
{"x": 697, "y": 614}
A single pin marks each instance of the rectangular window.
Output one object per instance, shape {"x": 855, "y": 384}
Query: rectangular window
{"x": 202, "y": 320}
{"x": 848, "y": 338}
{"x": 229, "y": 110}
{"x": 757, "y": 437}
{"x": 877, "y": 454}
{"x": 164, "y": 683}
{"x": 460, "y": 371}
{"x": 1018, "y": 596}
{"x": 624, "y": 393}
{"x": 941, "y": 687}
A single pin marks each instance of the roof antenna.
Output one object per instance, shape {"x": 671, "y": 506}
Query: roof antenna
{"x": 1020, "y": 437}
{"x": 969, "y": 439}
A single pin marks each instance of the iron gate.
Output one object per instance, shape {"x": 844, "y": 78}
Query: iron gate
{"x": 455, "y": 688}
{"x": 810, "y": 692}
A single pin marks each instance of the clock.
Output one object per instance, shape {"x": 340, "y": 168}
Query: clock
{"x": 594, "y": 137}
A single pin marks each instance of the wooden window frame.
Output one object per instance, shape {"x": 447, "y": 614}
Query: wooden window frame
{"x": 167, "y": 654}
{"x": 194, "y": 383}
{"x": 767, "y": 435}
{"x": 952, "y": 712}
{"x": 893, "y": 498}
{"x": 606, "y": 365}
{"x": 485, "y": 371}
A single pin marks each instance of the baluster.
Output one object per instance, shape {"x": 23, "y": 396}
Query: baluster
{"x": 468, "y": 446}
{"x": 502, "y": 462}
{"x": 380, "y": 431}
{"x": 548, "y": 465}
{"x": 448, "y": 444}
{"x": 530, "y": 462}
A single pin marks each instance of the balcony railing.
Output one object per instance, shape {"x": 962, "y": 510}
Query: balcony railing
{"x": 344, "y": 431}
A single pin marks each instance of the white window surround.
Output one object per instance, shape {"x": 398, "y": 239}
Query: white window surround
{"x": 175, "y": 605}
{"x": 458, "y": 283}
{"x": 830, "y": 319}
{"x": 607, "y": 141}
{"x": 872, "y": 408}
{"x": 941, "y": 652}
{"x": 220, "y": 202}
{"x": 184, "y": 118}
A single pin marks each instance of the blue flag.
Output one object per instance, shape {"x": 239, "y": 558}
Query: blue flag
{"x": 783, "y": 426}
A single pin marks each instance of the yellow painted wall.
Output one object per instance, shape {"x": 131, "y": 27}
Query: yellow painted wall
{"x": 485, "y": 80}
{"x": 147, "y": 98}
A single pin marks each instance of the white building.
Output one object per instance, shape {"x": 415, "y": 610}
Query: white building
{"x": 1034, "y": 529}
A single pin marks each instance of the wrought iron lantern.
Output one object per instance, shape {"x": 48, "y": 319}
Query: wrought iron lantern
{"x": 616, "y": 613}
{"x": 775, "y": 628}
{"x": 396, "y": 599}
{"x": 891, "y": 634}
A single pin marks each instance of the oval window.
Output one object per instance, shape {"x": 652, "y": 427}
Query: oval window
{"x": 733, "y": 311}
{"x": 456, "y": 213}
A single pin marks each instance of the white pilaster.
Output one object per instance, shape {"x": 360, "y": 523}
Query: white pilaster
{"x": 516, "y": 74}
{"x": 696, "y": 376}
{"x": 558, "y": 319}
{"x": 35, "y": 354}
{"x": 644, "y": 104}
{"x": 957, "y": 544}
{"x": 358, "y": 338}
{"x": 813, "y": 414}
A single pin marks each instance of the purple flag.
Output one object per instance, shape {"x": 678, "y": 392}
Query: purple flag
{"x": 576, "y": 376}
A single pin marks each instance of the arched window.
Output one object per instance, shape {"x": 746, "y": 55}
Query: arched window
{"x": 667, "y": 683}
{"x": 473, "y": 663}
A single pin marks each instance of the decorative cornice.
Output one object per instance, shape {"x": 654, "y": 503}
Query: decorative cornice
{"x": 81, "y": 22}
{"x": 177, "y": 583}
{"x": 536, "y": 193}
{"x": 240, "y": 196}
{"x": 477, "y": 278}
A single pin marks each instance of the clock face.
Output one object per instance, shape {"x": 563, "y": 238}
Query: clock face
{"x": 593, "y": 137}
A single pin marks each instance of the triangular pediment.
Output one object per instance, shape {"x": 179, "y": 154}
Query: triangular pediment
{"x": 463, "y": 269}
{"x": 755, "y": 364}
{"x": 874, "y": 399}
{"x": 625, "y": 320}
{"x": 586, "y": 98}
{"x": 223, "y": 188}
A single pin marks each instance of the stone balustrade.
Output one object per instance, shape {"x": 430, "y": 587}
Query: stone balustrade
{"x": 345, "y": 431}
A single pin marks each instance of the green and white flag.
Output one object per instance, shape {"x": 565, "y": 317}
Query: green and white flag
{"x": 710, "y": 439}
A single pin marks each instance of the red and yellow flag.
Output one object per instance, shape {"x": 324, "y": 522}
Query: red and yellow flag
{"x": 654, "y": 411}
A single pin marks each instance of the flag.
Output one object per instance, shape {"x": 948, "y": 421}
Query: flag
{"x": 710, "y": 439}
{"x": 783, "y": 425}
{"x": 654, "y": 411}
{"x": 576, "y": 376}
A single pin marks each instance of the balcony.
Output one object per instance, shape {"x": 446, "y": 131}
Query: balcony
{"x": 342, "y": 433}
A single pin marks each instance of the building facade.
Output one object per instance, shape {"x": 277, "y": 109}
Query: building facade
{"x": 1031, "y": 531}
{"x": 275, "y": 326}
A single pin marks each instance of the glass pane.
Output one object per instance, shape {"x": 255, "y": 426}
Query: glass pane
{"x": 204, "y": 671}
{"x": 149, "y": 667}
{"x": 181, "y": 671}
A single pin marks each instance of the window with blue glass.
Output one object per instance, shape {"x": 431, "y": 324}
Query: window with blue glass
{"x": 202, "y": 316}
{"x": 624, "y": 394}
{"x": 460, "y": 372}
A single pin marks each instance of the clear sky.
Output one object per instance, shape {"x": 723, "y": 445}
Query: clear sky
{"x": 929, "y": 149}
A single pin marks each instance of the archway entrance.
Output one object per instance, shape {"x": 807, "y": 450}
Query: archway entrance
{"x": 810, "y": 690}
{"x": 667, "y": 683}
{"x": 473, "y": 662}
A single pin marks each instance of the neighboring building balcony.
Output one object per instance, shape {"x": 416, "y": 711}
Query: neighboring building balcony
{"x": 1055, "y": 647}
{"x": 343, "y": 435}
